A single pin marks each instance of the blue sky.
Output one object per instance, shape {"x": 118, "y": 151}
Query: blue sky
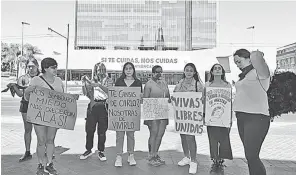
{"x": 274, "y": 22}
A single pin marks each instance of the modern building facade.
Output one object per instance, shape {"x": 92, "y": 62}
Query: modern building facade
{"x": 286, "y": 58}
{"x": 145, "y": 24}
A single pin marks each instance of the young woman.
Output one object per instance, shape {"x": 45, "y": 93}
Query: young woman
{"x": 45, "y": 134}
{"x": 23, "y": 81}
{"x": 219, "y": 141}
{"x": 156, "y": 88}
{"x": 97, "y": 91}
{"x": 189, "y": 83}
{"x": 251, "y": 105}
{"x": 127, "y": 79}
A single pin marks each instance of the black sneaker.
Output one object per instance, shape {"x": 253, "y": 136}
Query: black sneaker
{"x": 101, "y": 156}
{"x": 40, "y": 170}
{"x": 26, "y": 156}
{"x": 162, "y": 162}
{"x": 214, "y": 167}
{"x": 50, "y": 169}
{"x": 85, "y": 155}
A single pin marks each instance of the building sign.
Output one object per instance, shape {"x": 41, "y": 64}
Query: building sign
{"x": 52, "y": 108}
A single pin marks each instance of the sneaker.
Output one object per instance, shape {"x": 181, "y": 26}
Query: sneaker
{"x": 50, "y": 169}
{"x": 101, "y": 156}
{"x": 192, "y": 168}
{"x": 118, "y": 161}
{"x": 131, "y": 160}
{"x": 214, "y": 167}
{"x": 26, "y": 156}
{"x": 220, "y": 165}
{"x": 162, "y": 162}
{"x": 85, "y": 155}
{"x": 184, "y": 161}
{"x": 40, "y": 170}
{"x": 154, "y": 162}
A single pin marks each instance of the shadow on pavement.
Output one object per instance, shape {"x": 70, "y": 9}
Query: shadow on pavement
{"x": 69, "y": 164}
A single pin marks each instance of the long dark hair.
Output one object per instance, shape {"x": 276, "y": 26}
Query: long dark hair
{"x": 35, "y": 62}
{"x": 222, "y": 76}
{"x": 195, "y": 75}
{"x": 123, "y": 74}
{"x": 95, "y": 72}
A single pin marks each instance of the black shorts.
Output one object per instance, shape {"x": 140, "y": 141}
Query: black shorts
{"x": 24, "y": 106}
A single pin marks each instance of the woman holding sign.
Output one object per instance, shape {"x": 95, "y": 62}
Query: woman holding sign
{"x": 23, "y": 81}
{"x": 46, "y": 134}
{"x": 219, "y": 141}
{"x": 251, "y": 105}
{"x": 127, "y": 79}
{"x": 97, "y": 116}
{"x": 156, "y": 88}
{"x": 189, "y": 83}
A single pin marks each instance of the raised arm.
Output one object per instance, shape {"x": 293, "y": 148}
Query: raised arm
{"x": 259, "y": 64}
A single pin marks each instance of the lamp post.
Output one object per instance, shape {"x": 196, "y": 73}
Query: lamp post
{"x": 23, "y": 23}
{"x": 253, "y": 35}
{"x": 67, "y": 38}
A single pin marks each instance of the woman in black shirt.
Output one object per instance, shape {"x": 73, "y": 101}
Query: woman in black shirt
{"x": 127, "y": 79}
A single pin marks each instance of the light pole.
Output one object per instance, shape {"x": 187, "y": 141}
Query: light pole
{"x": 67, "y": 38}
{"x": 23, "y": 23}
{"x": 253, "y": 35}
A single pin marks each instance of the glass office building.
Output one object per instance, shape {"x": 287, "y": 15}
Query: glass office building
{"x": 145, "y": 24}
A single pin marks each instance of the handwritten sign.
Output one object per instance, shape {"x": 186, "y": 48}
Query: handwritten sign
{"x": 188, "y": 112}
{"x": 155, "y": 108}
{"x": 124, "y": 111}
{"x": 51, "y": 108}
{"x": 218, "y": 107}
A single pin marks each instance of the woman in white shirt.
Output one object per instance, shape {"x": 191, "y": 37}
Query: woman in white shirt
{"x": 251, "y": 105}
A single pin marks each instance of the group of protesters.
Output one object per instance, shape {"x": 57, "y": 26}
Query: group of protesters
{"x": 250, "y": 106}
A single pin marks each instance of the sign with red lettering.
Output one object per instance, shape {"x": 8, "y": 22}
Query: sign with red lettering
{"x": 124, "y": 108}
{"x": 188, "y": 112}
{"x": 52, "y": 108}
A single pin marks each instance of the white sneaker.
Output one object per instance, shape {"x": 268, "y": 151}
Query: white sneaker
{"x": 192, "y": 168}
{"x": 118, "y": 161}
{"x": 184, "y": 161}
{"x": 131, "y": 160}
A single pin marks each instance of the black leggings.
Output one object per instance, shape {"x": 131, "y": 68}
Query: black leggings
{"x": 252, "y": 130}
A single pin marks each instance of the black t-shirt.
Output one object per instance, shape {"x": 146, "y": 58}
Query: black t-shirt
{"x": 136, "y": 83}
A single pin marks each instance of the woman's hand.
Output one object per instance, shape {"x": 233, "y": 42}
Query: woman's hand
{"x": 10, "y": 85}
{"x": 28, "y": 91}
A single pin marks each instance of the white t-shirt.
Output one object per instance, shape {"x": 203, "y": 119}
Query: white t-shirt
{"x": 251, "y": 96}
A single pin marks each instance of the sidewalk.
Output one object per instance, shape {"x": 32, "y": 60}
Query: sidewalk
{"x": 278, "y": 153}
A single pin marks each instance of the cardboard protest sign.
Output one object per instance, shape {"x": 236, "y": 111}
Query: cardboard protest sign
{"x": 218, "y": 107}
{"x": 124, "y": 108}
{"x": 155, "y": 108}
{"x": 188, "y": 112}
{"x": 51, "y": 108}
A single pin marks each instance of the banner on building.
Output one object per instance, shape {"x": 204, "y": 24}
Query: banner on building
{"x": 218, "y": 107}
{"x": 155, "y": 108}
{"x": 124, "y": 108}
{"x": 188, "y": 112}
{"x": 51, "y": 108}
